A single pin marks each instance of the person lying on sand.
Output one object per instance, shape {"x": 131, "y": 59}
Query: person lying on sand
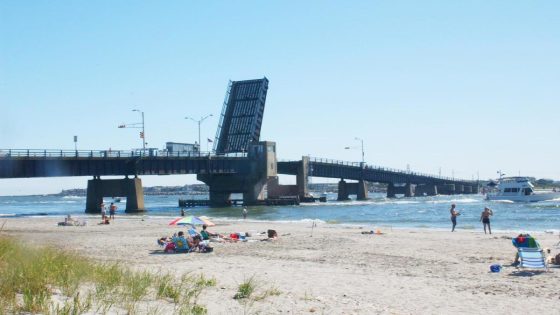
{"x": 207, "y": 234}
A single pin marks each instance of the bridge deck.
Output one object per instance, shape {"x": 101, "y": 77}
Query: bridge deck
{"x": 50, "y": 163}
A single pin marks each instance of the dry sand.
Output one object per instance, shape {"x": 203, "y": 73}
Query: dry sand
{"x": 338, "y": 270}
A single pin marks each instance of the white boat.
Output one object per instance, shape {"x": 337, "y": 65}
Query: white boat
{"x": 519, "y": 189}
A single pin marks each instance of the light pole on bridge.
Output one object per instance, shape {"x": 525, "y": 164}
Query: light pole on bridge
{"x": 199, "y": 121}
{"x": 362, "y": 147}
{"x": 139, "y": 125}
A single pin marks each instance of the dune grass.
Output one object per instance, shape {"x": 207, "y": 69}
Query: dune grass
{"x": 245, "y": 289}
{"x": 50, "y": 281}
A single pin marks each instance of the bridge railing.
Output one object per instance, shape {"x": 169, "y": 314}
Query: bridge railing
{"x": 381, "y": 168}
{"x": 46, "y": 153}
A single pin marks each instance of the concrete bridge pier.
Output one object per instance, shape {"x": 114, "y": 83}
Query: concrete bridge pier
{"x": 221, "y": 186}
{"x": 131, "y": 188}
{"x": 219, "y": 198}
{"x": 426, "y": 190}
{"x": 391, "y": 191}
{"x": 446, "y": 189}
{"x": 346, "y": 189}
{"x": 475, "y": 189}
{"x": 261, "y": 170}
{"x": 406, "y": 190}
{"x": 275, "y": 190}
{"x": 362, "y": 192}
{"x": 342, "y": 191}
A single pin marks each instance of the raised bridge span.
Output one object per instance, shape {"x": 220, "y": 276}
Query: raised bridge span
{"x": 244, "y": 173}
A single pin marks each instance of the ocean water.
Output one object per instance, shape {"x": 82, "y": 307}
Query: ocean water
{"x": 417, "y": 212}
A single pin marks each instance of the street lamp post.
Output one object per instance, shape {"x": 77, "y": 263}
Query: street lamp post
{"x": 362, "y": 147}
{"x": 362, "y": 141}
{"x": 143, "y": 129}
{"x": 139, "y": 125}
{"x": 199, "y": 122}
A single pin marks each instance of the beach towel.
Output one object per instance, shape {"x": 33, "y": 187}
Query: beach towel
{"x": 525, "y": 241}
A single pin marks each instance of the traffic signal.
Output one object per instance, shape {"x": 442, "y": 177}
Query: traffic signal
{"x": 142, "y": 134}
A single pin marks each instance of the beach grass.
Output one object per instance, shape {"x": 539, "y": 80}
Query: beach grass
{"x": 48, "y": 280}
{"x": 245, "y": 289}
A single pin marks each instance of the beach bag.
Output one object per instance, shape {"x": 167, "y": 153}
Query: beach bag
{"x": 557, "y": 260}
{"x": 272, "y": 234}
{"x": 206, "y": 249}
{"x": 170, "y": 247}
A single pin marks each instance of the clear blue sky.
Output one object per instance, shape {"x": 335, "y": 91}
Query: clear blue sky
{"x": 465, "y": 86}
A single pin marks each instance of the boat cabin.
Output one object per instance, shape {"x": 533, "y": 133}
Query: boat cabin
{"x": 515, "y": 186}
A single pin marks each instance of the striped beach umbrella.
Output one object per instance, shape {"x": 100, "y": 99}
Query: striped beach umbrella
{"x": 188, "y": 220}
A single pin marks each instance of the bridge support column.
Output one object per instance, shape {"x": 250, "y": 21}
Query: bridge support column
{"x": 219, "y": 199}
{"x": 408, "y": 192}
{"x": 302, "y": 177}
{"x": 275, "y": 190}
{"x": 425, "y": 190}
{"x": 261, "y": 170}
{"x": 362, "y": 192}
{"x": 474, "y": 189}
{"x": 391, "y": 191}
{"x": 342, "y": 191}
{"x": 446, "y": 189}
{"x": 131, "y": 188}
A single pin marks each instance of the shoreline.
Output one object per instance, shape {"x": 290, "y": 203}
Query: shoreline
{"x": 364, "y": 225}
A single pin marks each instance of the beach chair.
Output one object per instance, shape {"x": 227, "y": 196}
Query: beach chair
{"x": 532, "y": 258}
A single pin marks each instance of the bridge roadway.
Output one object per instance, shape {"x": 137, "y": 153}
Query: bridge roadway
{"x": 244, "y": 173}
{"x": 52, "y": 163}
{"x": 353, "y": 170}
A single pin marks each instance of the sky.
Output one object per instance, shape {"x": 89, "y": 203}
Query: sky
{"x": 461, "y": 88}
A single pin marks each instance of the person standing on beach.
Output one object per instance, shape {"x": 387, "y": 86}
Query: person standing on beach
{"x": 244, "y": 213}
{"x": 103, "y": 211}
{"x": 485, "y": 218}
{"x": 454, "y": 214}
{"x": 112, "y": 210}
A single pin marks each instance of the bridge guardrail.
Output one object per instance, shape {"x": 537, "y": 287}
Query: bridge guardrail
{"x": 380, "y": 168}
{"x": 46, "y": 153}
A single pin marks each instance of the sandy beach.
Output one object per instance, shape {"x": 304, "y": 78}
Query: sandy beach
{"x": 337, "y": 270}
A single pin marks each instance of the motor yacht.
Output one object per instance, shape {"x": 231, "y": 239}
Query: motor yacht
{"x": 519, "y": 189}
